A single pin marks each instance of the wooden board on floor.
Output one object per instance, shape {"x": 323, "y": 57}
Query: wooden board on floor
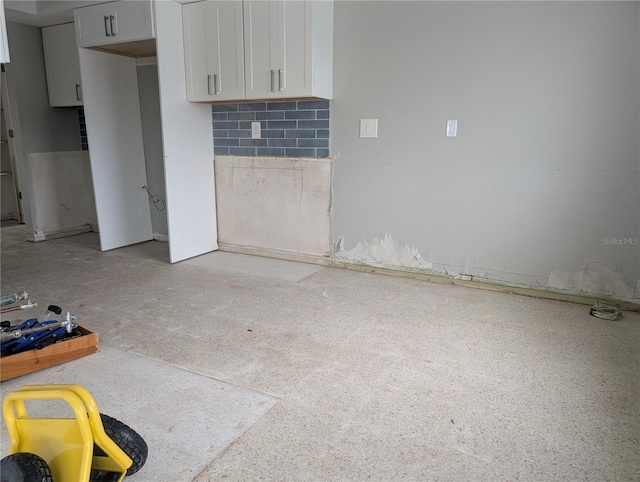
{"x": 33, "y": 360}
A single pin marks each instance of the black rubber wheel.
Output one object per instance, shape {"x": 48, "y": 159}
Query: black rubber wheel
{"x": 128, "y": 440}
{"x": 24, "y": 467}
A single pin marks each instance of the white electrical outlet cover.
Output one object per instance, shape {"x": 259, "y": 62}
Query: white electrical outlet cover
{"x": 255, "y": 130}
{"x": 452, "y": 128}
{"x": 368, "y": 127}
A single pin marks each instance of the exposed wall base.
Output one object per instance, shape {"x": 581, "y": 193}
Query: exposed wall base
{"x": 41, "y": 236}
{"x": 163, "y": 238}
{"x": 274, "y": 203}
{"x": 276, "y": 253}
{"x": 544, "y": 293}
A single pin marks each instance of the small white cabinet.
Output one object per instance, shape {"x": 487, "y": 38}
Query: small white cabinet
{"x": 62, "y": 66}
{"x": 214, "y": 57}
{"x": 271, "y": 49}
{"x": 117, "y": 22}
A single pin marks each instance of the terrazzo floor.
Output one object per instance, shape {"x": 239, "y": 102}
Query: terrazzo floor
{"x": 290, "y": 371}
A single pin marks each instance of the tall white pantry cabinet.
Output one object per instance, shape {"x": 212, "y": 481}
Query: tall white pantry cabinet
{"x": 114, "y": 127}
{"x": 258, "y": 49}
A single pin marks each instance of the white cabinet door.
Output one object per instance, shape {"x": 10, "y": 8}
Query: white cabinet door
{"x": 278, "y": 48}
{"x": 196, "y": 20}
{"x": 228, "y": 50}
{"x": 117, "y": 22}
{"x": 92, "y": 25}
{"x": 295, "y": 26}
{"x": 62, "y": 66}
{"x": 132, "y": 20}
{"x": 288, "y": 48}
{"x": 114, "y": 130}
{"x": 260, "y": 49}
{"x": 213, "y": 50}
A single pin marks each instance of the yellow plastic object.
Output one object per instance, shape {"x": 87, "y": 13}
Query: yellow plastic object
{"x": 66, "y": 444}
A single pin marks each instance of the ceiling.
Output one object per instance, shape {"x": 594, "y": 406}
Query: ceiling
{"x": 42, "y": 13}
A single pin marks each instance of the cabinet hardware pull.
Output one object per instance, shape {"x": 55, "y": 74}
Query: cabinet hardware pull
{"x": 280, "y": 80}
{"x": 216, "y": 84}
{"x": 78, "y": 92}
{"x": 113, "y": 32}
{"x": 208, "y": 84}
{"x": 273, "y": 81}
{"x": 106, "y": 27}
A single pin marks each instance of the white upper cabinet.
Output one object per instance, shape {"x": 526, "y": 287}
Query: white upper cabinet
{"x": 213, "y": 43}
{"x": 62, "y": 66}
{"x": 117, "y": 22}
{"x": 287, "y": 50}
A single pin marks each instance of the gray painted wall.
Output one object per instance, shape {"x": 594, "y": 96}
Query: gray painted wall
{"x": 546, "y": 160}
{"x": 152, "y": 139}
{"x": 42, "y": 128}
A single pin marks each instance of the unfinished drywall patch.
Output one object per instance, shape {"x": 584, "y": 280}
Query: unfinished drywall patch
{"x": 274, "y": 205}
{"x": 594, "y": 278}
{"x": 383, "y": 253}
{"x": 62, "y": 194}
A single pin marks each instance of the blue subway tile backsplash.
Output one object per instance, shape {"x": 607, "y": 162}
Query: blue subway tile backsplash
{"x": 227, "y": 142}
{"x": 282, "y": 124}
{"x": 272, "y": 134}
{"x": 83, "y": 130}
{"x": 272, "y": 115}
{"x": 270, "y": 151}
{"x": 253, "y": 107}
{"x": 300, "y": 114}
{"x": 242, "y": 151}
{"x": 313, "y": 124}
{"x": 253, "y": 142}
{"x": 282, "y": 106}
{"x": 225, "y": 107}
{"x": 300, "y": 134}
{"x": 313, "y": 104}
{"x": 290, "y": 128}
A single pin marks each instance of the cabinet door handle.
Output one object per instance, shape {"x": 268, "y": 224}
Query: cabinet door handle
{"x": 280, "y": 80}
{"x": 113, "y": 32}
{"x": 208, "y": 84}
{"x": 216, "y": 84}
{"x": 273, "y": 81}
{"x": 78, "y": 92}
{"x": 106, "y": 26}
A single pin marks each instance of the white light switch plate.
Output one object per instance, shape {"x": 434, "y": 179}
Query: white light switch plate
{"x": 368, "y": 127}
{"x": 452, "y": 128}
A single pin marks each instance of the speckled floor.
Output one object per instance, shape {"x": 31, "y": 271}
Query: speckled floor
{"x": 369, "y": 377}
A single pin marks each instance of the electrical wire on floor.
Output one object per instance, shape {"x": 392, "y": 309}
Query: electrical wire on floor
{"x": 606, "y": 312}
{"x": 156, "y": 200}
